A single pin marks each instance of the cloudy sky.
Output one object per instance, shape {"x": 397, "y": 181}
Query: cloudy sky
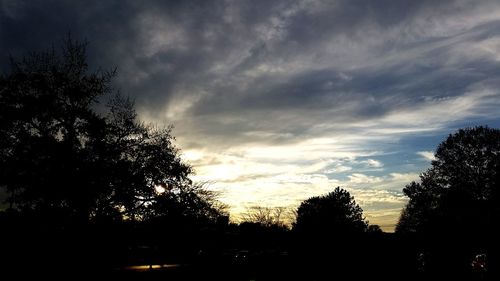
{"x": 277, "y": 101}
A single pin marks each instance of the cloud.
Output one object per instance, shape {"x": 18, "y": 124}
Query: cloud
{"x": 427, "y": 155}
{"x": 372, "y": 163}
{"x": 338, "y": 168}
{"x": 357, "y": 178}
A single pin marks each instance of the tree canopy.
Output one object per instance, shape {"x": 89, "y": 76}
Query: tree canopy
{"x": 333, "y": 213}
{"x": 64, "y": 156}
{"x": 461, "y": 187}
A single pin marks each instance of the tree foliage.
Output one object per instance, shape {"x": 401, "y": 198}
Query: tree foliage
{"x": 461, "y": 187}
{"x": 374, "y": 228}
{"x": 333, "y": 213}
{"x": 62, "y": 158}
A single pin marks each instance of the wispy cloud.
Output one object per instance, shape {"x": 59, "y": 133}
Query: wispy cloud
{"x": 427, "y": 155}
{"x": 357, "y": 178}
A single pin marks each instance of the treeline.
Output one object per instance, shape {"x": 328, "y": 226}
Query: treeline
{"x": 90, "y": 186}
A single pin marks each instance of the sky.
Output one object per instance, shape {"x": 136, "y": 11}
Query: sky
{"x": 277, "y": 101}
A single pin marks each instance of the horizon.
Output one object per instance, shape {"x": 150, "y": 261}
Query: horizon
{"x": 276, "y": 102}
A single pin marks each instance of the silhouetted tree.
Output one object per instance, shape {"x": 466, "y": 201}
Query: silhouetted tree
{"x": 268, "y": 216}
{"x": 192, "y": 201}
{"x": 333, "y": 213}
{"x": 461, "y": 188}
{"x": 453, "y": 210}
{"x": 424, "y": 199}
{"x": 374, "y": 228}
{"x": 62, "y": 160}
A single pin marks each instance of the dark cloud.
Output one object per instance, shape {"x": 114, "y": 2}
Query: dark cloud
{"x": 309, "y": 60}
{"x": 164, "y": 49}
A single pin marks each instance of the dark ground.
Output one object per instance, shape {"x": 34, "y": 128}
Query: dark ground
{"x": 381, "y": 256}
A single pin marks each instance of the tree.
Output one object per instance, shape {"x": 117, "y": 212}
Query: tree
{"x": 269, "y": 216}
{"x": 63, "y": 161}
{"x": 461, "y": 188}
{"x": 192, "y": 201}
{"x": 374, "y": 228}
{"x": 333, "y": 213}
